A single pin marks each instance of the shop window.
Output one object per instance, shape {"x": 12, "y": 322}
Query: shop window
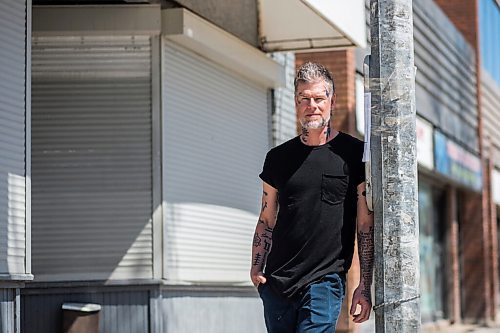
{"x": 432, "y": 252}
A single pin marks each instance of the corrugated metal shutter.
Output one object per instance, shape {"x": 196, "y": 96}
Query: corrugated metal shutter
{"x": 8, "y": 310}
{"x": 446, "y": 77}
{"x": 216, "y": 134}
{"x": 284, "y": 116}
{"x": 122, "y": 311}
{"x": 91, "y": 157}
{"x": 12, "y": 136}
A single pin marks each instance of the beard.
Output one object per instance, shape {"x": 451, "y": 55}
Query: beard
{"x": 314, "y": 124}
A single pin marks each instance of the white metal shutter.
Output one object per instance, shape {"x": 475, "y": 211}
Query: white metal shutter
{"x": 12, "y": 136}
{"x": 284, "y": 115}
{"x": 215, "y": 137}
{"x": 91, "y": 157}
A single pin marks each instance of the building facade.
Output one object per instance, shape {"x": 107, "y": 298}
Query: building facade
{"x": 133, "y": 133}
{"x": 456, "y": 103}
{"x": 133, "y": 137}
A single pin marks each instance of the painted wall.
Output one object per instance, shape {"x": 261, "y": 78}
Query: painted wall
{"x": 214, "y": 311}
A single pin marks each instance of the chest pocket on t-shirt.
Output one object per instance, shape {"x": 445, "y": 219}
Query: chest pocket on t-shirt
{"x": 334, "y": 188}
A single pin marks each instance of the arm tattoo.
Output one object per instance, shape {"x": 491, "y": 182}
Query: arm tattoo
{"x": 263, "y": 237}
{"x": 366, "y": 259}
{"x": 267, "y": 233}
{"x": 256, "y": 240}
{"x": 262, "y": 245}
{"x": 257, "y": 259}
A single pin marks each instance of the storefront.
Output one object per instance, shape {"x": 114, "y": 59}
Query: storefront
{"x": 432, "y": 222}
{"x": 431, "y": 197}
{"x": 450, "y": 181}
{"x": 148, "y": 136}
{"x": 431, "y": 200}
{"x": 466, "y": 246}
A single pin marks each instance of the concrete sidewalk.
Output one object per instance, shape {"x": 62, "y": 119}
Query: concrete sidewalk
{"x": 487, "y": 330}
{"x": 461, "y": 328}
{"x": 441, "y": 327}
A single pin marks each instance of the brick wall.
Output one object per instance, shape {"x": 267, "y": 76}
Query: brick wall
{"x": 464, "y": 15}
{"x": 476, "y": 293}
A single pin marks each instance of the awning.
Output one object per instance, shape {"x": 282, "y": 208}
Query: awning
{"x": 304, "y": 25}
{"x": 203, "y": 37}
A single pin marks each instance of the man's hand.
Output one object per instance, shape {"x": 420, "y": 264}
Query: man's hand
{"x": 362, "y": 298}
{"x": 257, "y": 278}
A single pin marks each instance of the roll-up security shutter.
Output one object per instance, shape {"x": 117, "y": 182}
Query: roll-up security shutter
{"x": 12, "y": 136}
{"x": 91, "y": 160}
{"x": 215, "y": 137}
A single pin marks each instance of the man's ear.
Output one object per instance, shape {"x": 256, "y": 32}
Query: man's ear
{"x": 334, "y": 100}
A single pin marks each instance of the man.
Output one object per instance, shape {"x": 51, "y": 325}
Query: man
{"x": 313, "y": 191}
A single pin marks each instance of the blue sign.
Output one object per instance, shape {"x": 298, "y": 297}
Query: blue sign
{"x": 455, "y": 162}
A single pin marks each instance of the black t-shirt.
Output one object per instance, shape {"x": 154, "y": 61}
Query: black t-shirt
{"x": 316, "y": 223}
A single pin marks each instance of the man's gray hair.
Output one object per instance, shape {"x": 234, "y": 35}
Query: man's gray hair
{"x": 312, "y": 72}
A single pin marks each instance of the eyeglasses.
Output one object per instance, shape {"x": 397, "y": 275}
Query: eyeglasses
{"x": 305, "y": 100}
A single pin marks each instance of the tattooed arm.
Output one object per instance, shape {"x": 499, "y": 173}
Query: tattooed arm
{"x": 262, "y": 239}
{"x": 362, "y": 294}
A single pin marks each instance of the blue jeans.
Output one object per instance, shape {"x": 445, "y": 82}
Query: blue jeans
{"x": 315, "y": 310}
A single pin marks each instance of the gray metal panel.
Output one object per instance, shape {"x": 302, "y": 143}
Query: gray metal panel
{"x": 7, "y": 310}
{"x": 216, "y": 312}
{"x": 490, "y": 104}
{"x": 215, "y": 137}
{"x": 12, "y": 136}
{"x": 284, "y": 119}
{"x": 239, "y": 18}
{"x": 91, "y": 158}
{"x": 121, "y": 312}
{"x": 446, "y": 76}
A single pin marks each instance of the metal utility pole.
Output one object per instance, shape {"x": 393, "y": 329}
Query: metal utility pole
{"x": 394, "y": 167}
